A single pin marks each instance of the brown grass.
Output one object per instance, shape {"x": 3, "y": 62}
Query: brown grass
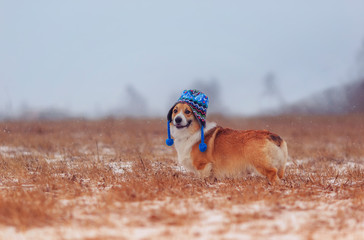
{"x": 118, "y": 174}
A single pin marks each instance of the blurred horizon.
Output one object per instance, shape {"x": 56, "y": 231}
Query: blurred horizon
{"x": 119, "y": 58}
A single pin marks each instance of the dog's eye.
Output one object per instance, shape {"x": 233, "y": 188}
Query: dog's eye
{"x": 175, "y": 110}
{"x": 187, "y": 111}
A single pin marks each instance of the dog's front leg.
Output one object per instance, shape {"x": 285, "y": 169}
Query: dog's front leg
{"x": 205, "y": 171}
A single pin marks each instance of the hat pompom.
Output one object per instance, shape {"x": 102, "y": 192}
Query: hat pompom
{"x": 169, "y": 141}
{"x": 203, "y": 147}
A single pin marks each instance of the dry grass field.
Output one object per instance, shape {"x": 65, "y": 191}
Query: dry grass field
{"x": 116, "y": 179}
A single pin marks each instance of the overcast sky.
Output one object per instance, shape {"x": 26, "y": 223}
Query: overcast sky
{"x": 82, "y": 55}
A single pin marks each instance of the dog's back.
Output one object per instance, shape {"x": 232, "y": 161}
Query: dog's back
{"x": 231, "y": 152}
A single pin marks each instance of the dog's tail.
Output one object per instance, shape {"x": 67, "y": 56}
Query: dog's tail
{"x": 276, "y": 139}
{"x": 282, "y": 167}
{"x": 282, "y": 153}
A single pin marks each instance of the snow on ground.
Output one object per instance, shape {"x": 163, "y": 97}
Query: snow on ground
{"x": 120, "y": 167}
{"x": 302, "y": 220}
{"x": 11, "y": 152}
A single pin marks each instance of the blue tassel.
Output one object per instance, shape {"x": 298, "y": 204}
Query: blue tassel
{"x": 169, "y": 140}
{"x": 202, "y": 145}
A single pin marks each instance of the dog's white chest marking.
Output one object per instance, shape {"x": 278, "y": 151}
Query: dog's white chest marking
{"x": 184, "y": 142}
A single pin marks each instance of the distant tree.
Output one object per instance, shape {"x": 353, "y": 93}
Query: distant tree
{"x": 355, "y": 97}
{"x": 271, "y": 96}
{"x": 135, "y": 104}
{"x": 212, "y": 89}
{"x": 132, "y": 104}
{"x": 271, "y": 88}
{"x": 360, "y": 62}
{"x": 348, "y": 98}
{"x": 355, "y": 92}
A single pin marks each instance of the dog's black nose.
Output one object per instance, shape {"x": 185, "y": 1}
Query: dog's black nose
{"x": 178, "y": 119}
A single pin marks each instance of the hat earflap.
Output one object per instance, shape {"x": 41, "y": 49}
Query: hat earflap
{"x": 169, "y": 140}
{"x": 202, "y": 145}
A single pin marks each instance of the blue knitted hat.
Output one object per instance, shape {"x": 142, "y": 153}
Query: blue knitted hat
{"x": 198, "y": 102}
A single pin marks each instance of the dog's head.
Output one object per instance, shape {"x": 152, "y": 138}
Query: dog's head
{"x": 182, "y": 119}
{"x": 188, "y": 116}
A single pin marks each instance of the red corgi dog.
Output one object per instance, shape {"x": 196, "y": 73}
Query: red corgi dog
{"x": 214, "y": 151}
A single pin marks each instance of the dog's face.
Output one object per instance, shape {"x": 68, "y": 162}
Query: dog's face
{"x": 183, "y": 119}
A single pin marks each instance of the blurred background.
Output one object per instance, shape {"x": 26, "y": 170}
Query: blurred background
{"x": 134, "y": 58}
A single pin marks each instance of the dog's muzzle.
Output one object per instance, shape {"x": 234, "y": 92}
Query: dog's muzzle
{"x": 179, "y": 125}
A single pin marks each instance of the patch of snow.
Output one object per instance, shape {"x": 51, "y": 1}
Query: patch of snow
{"x": 13, "y": 152}
{"x": 56, "y": 158}
{"x": 270, "y": 222}
{"x": 180, "y": 169}
{"x": 108, "y": 151}
{"x": 120, "y": 167}
{"x": 298, "y": 162}
{"x": 343, "y": 168}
